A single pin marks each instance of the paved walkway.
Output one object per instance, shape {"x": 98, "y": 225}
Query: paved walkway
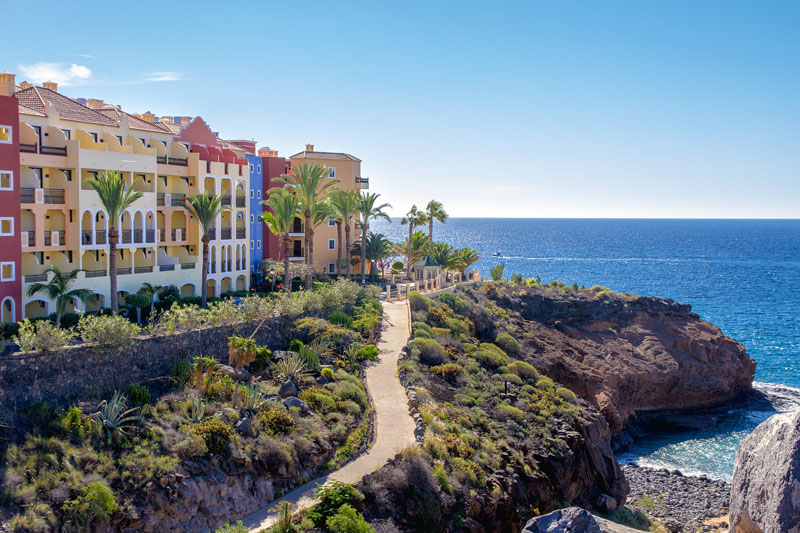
{"x": 394, "y": 427}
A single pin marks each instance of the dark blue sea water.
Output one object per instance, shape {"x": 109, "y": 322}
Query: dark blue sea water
{"x": 742, "y": 275}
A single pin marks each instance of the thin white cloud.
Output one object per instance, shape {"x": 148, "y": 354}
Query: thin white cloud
{"x": 90, "y": 56}
{"x": 60, "y": 73}
{"x": 163, "y": 76}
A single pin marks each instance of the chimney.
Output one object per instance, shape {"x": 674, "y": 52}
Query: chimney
{"x": 53, "y": 86}
{"x": 25, "y": 85}
{"x": 309, "y": 148}
{"x": 95, "y": 103}
{"x": 7, "y": 85}
{"x": 147, "y": 116}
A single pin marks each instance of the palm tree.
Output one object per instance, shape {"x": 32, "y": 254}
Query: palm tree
{"x": 366, "y": 211}
{"x": 151, "y": 290}
{"x": 444, "y": 254}
{"x": 206, "y": 209}
{"x": 378, "y": 247}
{"x": 116, "y": 198}
{"x": 413, "y": 218}
{"x": 434, "y": 211}
{"x": 58, "y": 289}
{"x": 344, "y": 205}
{"x": 466, "y": 258}
{"x": 311, "y": 185}
{"x": 418, "y": 245}
{"x": 284, "y": 208}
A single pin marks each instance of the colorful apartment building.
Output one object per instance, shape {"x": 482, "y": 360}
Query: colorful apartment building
{"x": 256, "y": 196}
{"x": 10, "y": 245}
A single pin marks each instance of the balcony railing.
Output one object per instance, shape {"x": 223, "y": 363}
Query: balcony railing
{"x": 164, "y": 268}
{"x": 44, "y": 150}
{"x": 142, "y": 270}
{"x": 230, "y": 263}
{"x": 181, "y": 237}
{"x": 27, "y": 195}
{"x": 124, "y": 271}
{"x": 225, "y": 233}
{"x": 178, "y": 200}
{"x": 34, "y": 278}
{"x": 160, "y": 199}
{"x": 363, "y": 181}
{"x": 241, "y": 233}
{"x": 125, "y": 236}
{"x": 161, "y": 159}
{"x": 138, "y": 235}
{"x": 226, "y": 200}
{"x": 240, "y": 201}
{"x": 54, "y": 238}
{"x": 150, "y": 235}
{"x": 100, "y": 236}
{"x": 180, "y": 161}
{"x": 212, "y": 233}
{"x": 31, "y": 239}
{"x": 188, "y": 266}
{"x": 54, "y": 196}
{"x": 95, "y": 273}
{"x": 28, "y": 148}
{"x": 296, "y": 254}
{"x": 296, "y": 228}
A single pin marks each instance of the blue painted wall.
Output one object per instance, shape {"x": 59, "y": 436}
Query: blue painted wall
{"x": 256, "y": 195}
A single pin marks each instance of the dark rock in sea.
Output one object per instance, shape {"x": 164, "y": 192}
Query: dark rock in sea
{"x": 765, "y": 494}
{"x": 573, "y": 520}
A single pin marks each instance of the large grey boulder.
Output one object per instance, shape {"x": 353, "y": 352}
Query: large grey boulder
{"x": 765, "y": 491}
{"x": 573, "y": 520}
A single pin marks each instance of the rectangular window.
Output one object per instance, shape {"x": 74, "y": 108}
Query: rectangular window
{"x": 252, "y": 244}
{"x": 67, "y": 174}
{"x": 6, "y": 134}
{"x": 258, "y": 194}
{"x": 252, "y": 219}
{"x": 331, "y": 244}
{"x": 6, "y": 227}
{"x": 259, "y": 170}
{"x": 6, "y": 180}
{"x": 144, "y": 141}
{"x": 7, "y": 271}
{"x": 331, "y": 268}
{"x": 67, "y": 133}
{"x": 119, "y": 138}
{"x": 251, "y": 168}
{"x": 252, "y": 193}
{"x": 331, "y": 172}
{"x": 331, "y": 221}
{"x": 258, "y": 244}
{"x": 93, "y": 135}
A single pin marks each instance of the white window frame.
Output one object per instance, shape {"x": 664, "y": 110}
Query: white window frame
{"x": 13, "y": 271}
{"x": 10, "y": 134}
{"x": 331, "y": 268}
{"x": 10, "y": 180}
{"x": 331, "y": 172}
{"x": 331, "y": 221}
{"x": 67, "y": 133}
{"x": 11, "y": 221}
{"x": 94, "y": 135}
{"x": 331, "y": 244}
{"x": 258, "y": 245}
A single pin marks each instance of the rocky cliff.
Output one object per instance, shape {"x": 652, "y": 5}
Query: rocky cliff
{"x": 765, "y": 491}
{"x": 622, "y": 353}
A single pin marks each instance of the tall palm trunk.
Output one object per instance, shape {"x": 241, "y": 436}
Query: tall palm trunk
{"x": 363, "y": 252}
{"x": 309, "y": 238}
{"x": 347, "y": 247}
{"x": 204, "y": 279}
{"x": 287, "y": 280}
{"x": 152, "y": 305}
{"x": 410, "y": 247}
{"x": 339, "y": 247}
{"x": 112, "y": 265}
{"x": 430, "y": 232}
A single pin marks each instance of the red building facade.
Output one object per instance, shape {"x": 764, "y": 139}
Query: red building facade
{"x": 10, "y": 243}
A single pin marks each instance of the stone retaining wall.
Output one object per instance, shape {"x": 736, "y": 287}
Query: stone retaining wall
{"x": 85, "y": 371}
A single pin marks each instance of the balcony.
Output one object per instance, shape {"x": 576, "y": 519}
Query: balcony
{"x": 171, "y": 199}
{"x": 225, "y": 233}
{"x": 212, "y": 233}
{"x": 165, "y": 268}
{"x": 99, "y": 237}
{"x": 179, "y": 161}
{"x": 178, "y": 200}
{"x": 44, "y": 150}
{"x": 188, "y": 266}
{"x": 161, "y": 159}
{"x": 31, "y": 195}
{"x": 226, "y": 200}
{"x": 240, "y": 201}
{"x": 138, "y": 235}
{"x": 28, "y": 238}
{"x": 296, "y": 230}
{"x": 150, "y": 235}
{"x": 178, "y": 234}
{"x": 124, "y": 271}
{"x": 96, "y": 273}
{"x": 241, "y": 233}
{"x": 35, "y": 278}
{"x": 54, "y": 238}
{"x": 142, "y": 270}
{"x": 362, "y": 182}
{"x": 125, "y": 236}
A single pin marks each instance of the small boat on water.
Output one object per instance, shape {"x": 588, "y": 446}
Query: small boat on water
{"x": 496, "y": 254}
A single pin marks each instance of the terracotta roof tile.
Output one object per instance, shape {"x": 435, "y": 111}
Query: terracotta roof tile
{"x": 67, "y": 108}
{"x": 28, "y": 111}
{"x": 324, "y": 155}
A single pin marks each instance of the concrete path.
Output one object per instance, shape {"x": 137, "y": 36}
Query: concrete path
{"x": 394, "y": 427}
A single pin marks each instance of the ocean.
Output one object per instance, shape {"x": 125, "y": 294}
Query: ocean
{"x": 742, "y": 275}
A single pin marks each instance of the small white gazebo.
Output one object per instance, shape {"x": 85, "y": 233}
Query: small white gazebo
{"x": 426, "y": 268}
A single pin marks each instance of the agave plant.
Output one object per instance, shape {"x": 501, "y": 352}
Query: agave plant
{"x": 290, "y": 368}
{"x": 350, "y": 354}
{"x": 254, "y": 399}
{"x": 113, "y": 417}
{"x": 196, "y": 411}
{"x": 311, "y": 353}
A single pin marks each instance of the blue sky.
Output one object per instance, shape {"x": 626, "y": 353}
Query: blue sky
{"x": 530, "y": 109}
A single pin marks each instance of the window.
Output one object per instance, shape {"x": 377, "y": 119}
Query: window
{"x": 331, "y": 172}
{"x": 251, "y": 168}
{"x": 6, "y": 180}
{"x": 67, "y": 174}
{"x": 252, "y": 193}
{"x": 7, "y": 271}
{"x": 331, "y": 244}
{"x": 252, "y": 219}
{"x": 93, "y": 135}
{"x": 67, "y": 133}
{"x": 258, "y": 194}
{"x": 252, "y": 244}
{"x": 258, "y": 244}
{"x": 119, "y": 138}
{"x": 7, "y": 226}
{"x": 6, "y": 134}
{"x": 331, "y": 221}
{"x": 259, "y": 170}
{"x": 144, "y": 141}
{"x": 331, "y": 268}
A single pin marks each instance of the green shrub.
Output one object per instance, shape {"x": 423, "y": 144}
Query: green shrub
{"x": 327, "y": 373}
{"x": 508, "y": 343}
{"x": 455, "y": 303}
{"x": 179, "y": 373}
{"x": 111, "y": 333}
{"x": 216, "y": 434}
{"x": 421, "y": 333}
{"x": 523, "y": 370}
{"x": 348, "y": 520}
{"x": 490, "y": 355}
{"x": 277, "y": 421}
{"x": 351, "y": 391}
{"x": 295, "y": 345}
{"x": 320, "y": 399}
{"x": 192, "y": 447}
{"x": 368, "y": 353}
{"x": 263, "y": 357}
{"x": 511, "y": 412}
{"x": 417, "y": 325}
{"x": 448, "y": 371}
{"x": 429, "y": 351}
{"x": 566, "y": 394}
{"x": 331, "y": 498}
{"x": 42, "y": 335}
{"x": 544, "y": 383}
{"x": 340, "y": 319}
{"x": 96, "y": 502}
{"x": 138, "y": 395}
{"x": 418, "y": 302}
{"x": 238, "y": 527}
{"x": 441, "y": 476}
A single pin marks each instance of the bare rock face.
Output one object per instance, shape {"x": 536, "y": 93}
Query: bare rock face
{"x": 765, "y": 491}
{"x": 573, "y": 520}
{"x": 624, "y": 353}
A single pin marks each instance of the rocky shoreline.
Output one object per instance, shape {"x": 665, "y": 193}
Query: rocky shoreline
{"x": 680, "y": 503}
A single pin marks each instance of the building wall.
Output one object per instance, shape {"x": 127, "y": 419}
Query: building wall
{"x": 274, "y": 167}
{"x": 256, "y": 194}
{"x": 10, "y": 245}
